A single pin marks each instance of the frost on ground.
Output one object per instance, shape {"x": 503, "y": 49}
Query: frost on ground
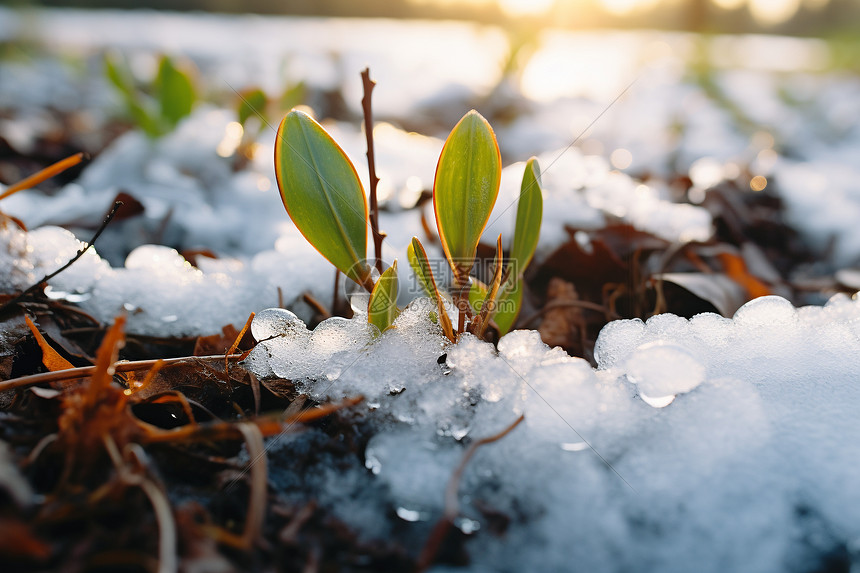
{"x": 715, "y": 443}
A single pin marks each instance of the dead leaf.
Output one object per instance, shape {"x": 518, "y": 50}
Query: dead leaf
{"x": 131, "y": 207}
{"x": 562, "y": 322}
{"x": 50, "y": 357}
{"x": 722, "y": 292}
{"x": 735, "y": 267}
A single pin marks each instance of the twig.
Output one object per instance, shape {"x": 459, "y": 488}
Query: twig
{"x": 84, "y": 371}
{"x": 316, "y": 305}
{"x": 335, "y": 293}
{"x": 79, "y": 254}
{"x": 452, "y": 504}
{"x": 289, "y": 533}
{"x": 367, "y": 85}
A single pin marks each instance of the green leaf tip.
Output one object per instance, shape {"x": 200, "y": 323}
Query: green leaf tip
{"x": 323, "y": 194}
{"x": 529, "y": 215}
{"x": 417, "y": 257}
{"x": 465, "y": 189}
{"x": 421, "y": 267}
{"x": 382, "y": 306}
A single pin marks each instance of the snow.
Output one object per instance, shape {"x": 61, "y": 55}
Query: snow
{"x": 751, "y": 466}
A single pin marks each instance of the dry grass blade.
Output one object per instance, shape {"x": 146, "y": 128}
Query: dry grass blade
{"x": 106, "y": 358}
{"x": 452, "y": 505}
{"x": 44, "y": 174}
{"x": 135, "y": 475}
{"x": 234, "y": 346}
{"x": 257, "y": 498}
{"x": 490, "y": 301}
{"x": 257, "y": 502}
{"x": 150, "y": 376}
{"x": 269, "y": 426}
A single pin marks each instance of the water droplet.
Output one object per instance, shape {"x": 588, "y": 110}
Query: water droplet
{"x": 660, "y": 402}
{"x": 766, "y": 311}
{"x": 411, "y": 515}
{"x": 372, "y": 462}
{"x": 661, "y": 370}
{"x": 466, "y": 525}
{"x": 574, "y": 446}
{"x": 273, "y": 322}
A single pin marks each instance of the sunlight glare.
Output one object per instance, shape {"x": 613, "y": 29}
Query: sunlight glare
{"x": 729, "y": 4}
{"x": 626, "y": 7}
{"x": 620, "y": 7}
{"x": 773, "y": 11}
{"x": 525, "y": 7}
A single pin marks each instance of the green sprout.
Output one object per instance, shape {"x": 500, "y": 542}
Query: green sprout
{"x": 325, "y": 199}
{"x": 159, "y": 107}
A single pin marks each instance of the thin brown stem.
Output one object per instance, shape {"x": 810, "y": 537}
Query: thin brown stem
{"x": 367, "y": 85}
{"x": 452, "y": 504}
{"x": 84, "y": 371}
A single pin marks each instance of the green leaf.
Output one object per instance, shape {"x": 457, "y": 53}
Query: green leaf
{"x": 136, "y": 106}
{"x": 252, "y": 103}
{"x": 465, "y": 190}
{"x": 293, "y": 96}
{"x": 477, "y": 293}
{"x": 417, "y": 257}
{"x": 508, "y": 306}
{"x": 529, "y": 214}
{"x": 175, "y": 92}
{"x": 322, "y": 194}
{"x": 421, "y": 267}
{"x": 382, "y": 307}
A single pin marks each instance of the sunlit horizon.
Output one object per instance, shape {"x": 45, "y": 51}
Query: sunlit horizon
{"x": 764, "y": 12}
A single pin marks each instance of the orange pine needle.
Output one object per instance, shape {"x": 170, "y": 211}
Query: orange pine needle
{"x": 235, "y": 346}
{"x": 44, "y": 174}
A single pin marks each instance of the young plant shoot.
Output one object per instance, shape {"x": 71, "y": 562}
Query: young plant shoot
{"x": 326, "y": 201}
{"x": 159, "y": 107}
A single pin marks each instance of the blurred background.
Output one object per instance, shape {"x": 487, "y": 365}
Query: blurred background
{"x": 801, "y": 17}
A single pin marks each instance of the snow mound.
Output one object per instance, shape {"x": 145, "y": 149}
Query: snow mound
{"x": 710, "y": 443}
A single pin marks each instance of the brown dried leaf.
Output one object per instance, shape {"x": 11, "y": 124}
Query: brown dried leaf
{"x": 131, "y": 207}
{"x": 50, "y": 357}
{"x": 721, "y": 291}
{"x": 562, "y": 322}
